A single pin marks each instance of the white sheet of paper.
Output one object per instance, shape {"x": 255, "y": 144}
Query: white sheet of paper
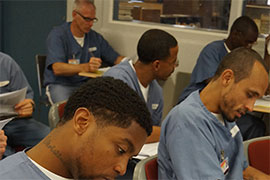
{"x": 262, "y": 102}
{"x": 104, "y": 69}
{"x": 10, "y": 99}
{"x": 4, "y": 122}
{"x": 148, "y": 150}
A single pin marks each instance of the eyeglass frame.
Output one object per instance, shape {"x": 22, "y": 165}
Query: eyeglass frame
{"x": 88, "y": 19}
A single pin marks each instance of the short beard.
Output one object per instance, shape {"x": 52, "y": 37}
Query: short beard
{"x": 227, "y": 118}
{"x": 226, "y": 105}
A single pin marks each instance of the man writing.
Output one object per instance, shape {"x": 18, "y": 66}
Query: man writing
{"x": 72, "y": 48}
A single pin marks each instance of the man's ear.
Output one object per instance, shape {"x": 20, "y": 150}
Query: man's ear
{"x": 227, "y": 77}
{"x": 156, "y": 65}
{"x": 82, "y": 119}
{"x": 73, "y": 14}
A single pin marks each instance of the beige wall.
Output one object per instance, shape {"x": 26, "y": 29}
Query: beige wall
{"x": 123, "y": 36}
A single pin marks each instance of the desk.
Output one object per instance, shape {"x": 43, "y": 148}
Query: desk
{"x": 262, "y": 105}
{"x": 91, "y": 75}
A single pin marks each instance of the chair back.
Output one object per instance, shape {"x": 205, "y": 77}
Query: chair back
{"x": 257, "y": 152}
{"x": 56, "y": 112}
{"x": 146, "y": 169}
{"x": 40, "y": 65}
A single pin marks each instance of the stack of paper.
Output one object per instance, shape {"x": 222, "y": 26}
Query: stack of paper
{"x": 148, "y": 150}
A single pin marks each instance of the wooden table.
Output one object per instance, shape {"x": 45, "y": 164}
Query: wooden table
{"x": 262, "y": 105}
{"x": 91, "y": 75}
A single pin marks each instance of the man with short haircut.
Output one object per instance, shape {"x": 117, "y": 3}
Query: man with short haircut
{"x": 199, "y": 137}
{"x": 243, "y": 33}
{"x": 74, "y": 47}
{"x": 104, "y": 124}
{"x": 157, "y": 57}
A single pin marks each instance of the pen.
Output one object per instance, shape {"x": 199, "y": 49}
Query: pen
{"x": 91, "y": 53}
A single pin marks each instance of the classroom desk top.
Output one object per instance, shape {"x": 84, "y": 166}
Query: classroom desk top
{"x": 262, "y": 105}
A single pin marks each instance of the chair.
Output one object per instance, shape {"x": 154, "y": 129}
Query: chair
{"x": 40, "y": 66}
{"x": 257, "y": 152}
{"x": 146, "y": 169}
{"x": 56, "y": 113}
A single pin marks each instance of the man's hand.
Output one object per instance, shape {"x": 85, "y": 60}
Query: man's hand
{"x": 94, "y": 64}
{"x": 255, "y": 174}
{"x": 3, "y": 143}
{"x": 25, "y": 108}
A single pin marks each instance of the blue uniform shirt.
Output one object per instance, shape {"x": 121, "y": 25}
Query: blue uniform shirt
{"x": 194, "y": 144}
{"x": 62, "y": 46}
{"x": 206, "y": 66}
{"x": 154, "y": 102}
{"x": 10, "y": 71}
{"x": 20, "y": 167}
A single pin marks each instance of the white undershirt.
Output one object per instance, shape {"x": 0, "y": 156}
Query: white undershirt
{"x": 226, "y": 47}
{"x": 143, "y": 89}
{"x": 48, "y": 173}
{"x": 219, "y": 117}
{"x": 80, "y": 40}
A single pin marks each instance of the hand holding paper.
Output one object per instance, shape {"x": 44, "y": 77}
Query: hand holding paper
{"x": 25, "y": 108}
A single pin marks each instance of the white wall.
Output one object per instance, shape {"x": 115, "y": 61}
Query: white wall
{"x": 123, "y": 36}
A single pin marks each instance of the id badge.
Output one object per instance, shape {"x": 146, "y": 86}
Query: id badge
{"x": 154, "y": 106}
{"x": 224, "y": 165}
{"x": 74, "y": 61}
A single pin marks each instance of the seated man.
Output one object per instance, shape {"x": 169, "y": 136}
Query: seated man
{"x": 3, "y": 143}
{"x": 104, "y": 124}
{"x": 243, "y": 33}
{"x": 23, "y": 131}
{"x": 157, "y": 58}
{"x": 72, "y": 48}
{"x": 199, "y": 137}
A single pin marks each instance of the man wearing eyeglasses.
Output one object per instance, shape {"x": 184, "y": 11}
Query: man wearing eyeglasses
{"x": 243, "y": 33}
{"x": 74, "y": 47}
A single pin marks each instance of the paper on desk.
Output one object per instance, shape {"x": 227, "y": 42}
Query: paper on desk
{"x": 262, "y": 103}
{"x": 9, "y": 100}
{"x": 148, "y": 150}
{"x": 104, "y": 69}
{"x": 4, "y": 122}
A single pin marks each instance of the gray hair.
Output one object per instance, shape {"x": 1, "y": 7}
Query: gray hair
{"x": 78, "y": 3}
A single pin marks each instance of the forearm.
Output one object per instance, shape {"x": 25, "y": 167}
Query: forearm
{"x": 251, "y": 173}
{"x": 154, "y": 137}
{"x": 118, "y": 59}
{"x": 65, "y": 69}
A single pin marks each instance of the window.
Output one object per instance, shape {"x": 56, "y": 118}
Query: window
{"x": 195, "y": 14}
{"x": 259, "y": 11}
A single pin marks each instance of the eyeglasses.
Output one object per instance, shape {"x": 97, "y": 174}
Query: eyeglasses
{"x": 88, "y": 19}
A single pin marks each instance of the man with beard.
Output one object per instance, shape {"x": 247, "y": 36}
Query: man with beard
{"x": 199, "y": 137}
{"x": 243, "y": 33}
{"x": 74, "y": 47}
{"x": 104, "y": 124}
